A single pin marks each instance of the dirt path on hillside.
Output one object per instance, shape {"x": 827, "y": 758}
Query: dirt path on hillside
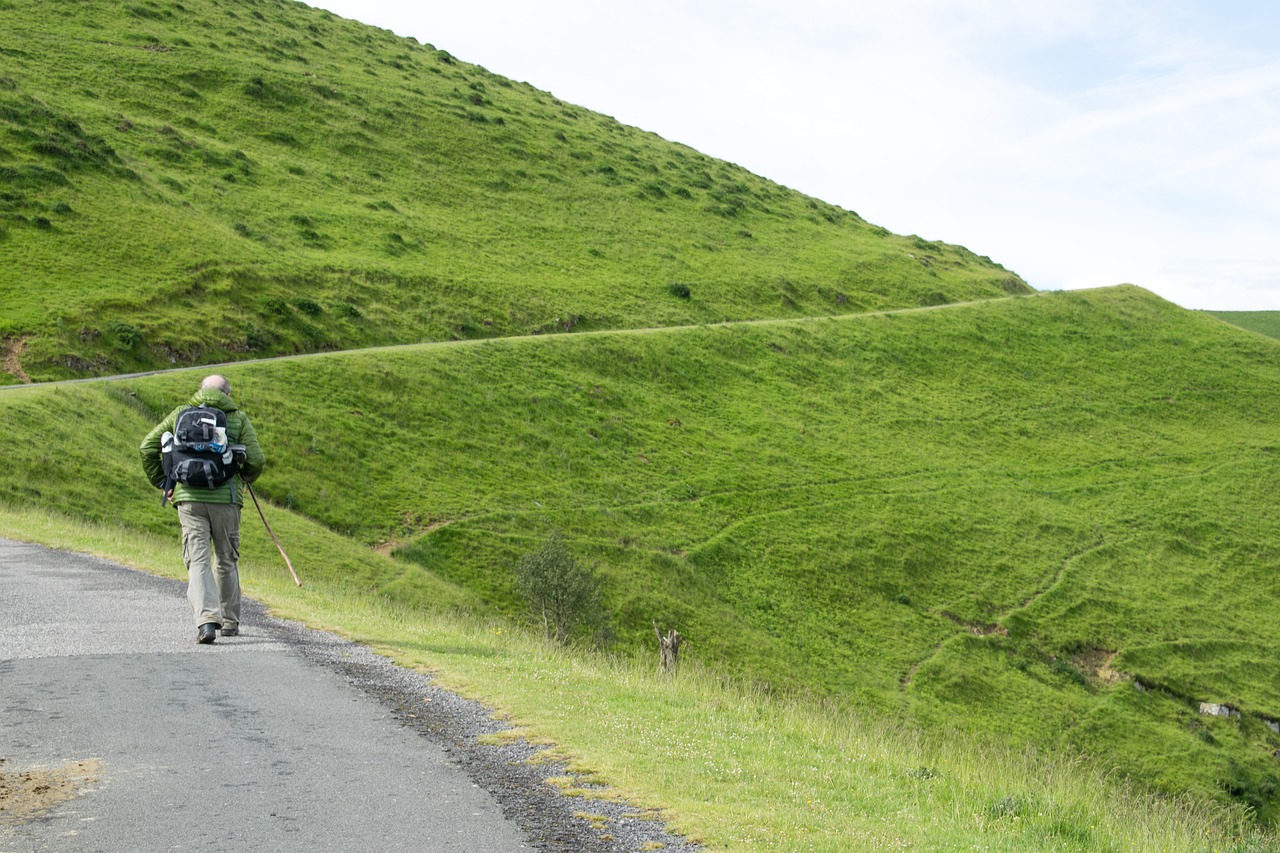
{"x": 997, "y": 626}
{"x": 481, "y": 341}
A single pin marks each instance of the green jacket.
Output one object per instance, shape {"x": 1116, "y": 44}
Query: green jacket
{"x": 239, "y": 431}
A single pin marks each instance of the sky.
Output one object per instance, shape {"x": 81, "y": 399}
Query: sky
{"x": 1080, "y": 143}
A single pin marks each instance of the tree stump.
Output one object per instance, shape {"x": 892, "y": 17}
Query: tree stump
{"x": 668, "y": 650}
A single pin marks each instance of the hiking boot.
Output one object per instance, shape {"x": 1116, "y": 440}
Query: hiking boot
{"x": 230, "y": 631}
{"x": 207, "y": 633}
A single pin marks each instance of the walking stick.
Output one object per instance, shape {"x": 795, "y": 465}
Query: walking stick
{"x": 272, "y": 532}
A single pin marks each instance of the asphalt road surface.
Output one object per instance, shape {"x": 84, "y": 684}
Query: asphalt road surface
{"x": 246, "y": 744}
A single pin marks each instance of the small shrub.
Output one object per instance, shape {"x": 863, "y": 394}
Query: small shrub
{"x": 42, "y": 223}
{"x": 281, "y": 137}
{"x": 1204, "y": 734}
{"x": 679, "y": 290}
{"x": 127, "y": 336}
{"x": 562, "y": 593}
{"x": 347, "y": 311}
{"x": 308, "y": 307}
{"x": 1006, "y": 807}
{"x": 148, "y": 14}
{"x": 654, "y": 190}
{"x": 257, "y": 338}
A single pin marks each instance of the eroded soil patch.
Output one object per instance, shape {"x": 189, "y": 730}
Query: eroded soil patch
{"x": 1096, "y": 664}
{"x": 25, "y": 794}
{"x": 11, "y": 358}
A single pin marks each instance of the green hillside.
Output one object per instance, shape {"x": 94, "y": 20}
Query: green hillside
{"x": 194, "y": 182}
{"x": 1265, "y": 322}
{"x": 1049, "y": 519}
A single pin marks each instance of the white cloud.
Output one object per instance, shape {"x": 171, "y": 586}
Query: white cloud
{"x": 1079, "y": 144}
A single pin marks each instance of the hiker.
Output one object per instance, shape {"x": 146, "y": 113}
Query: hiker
{"x": 193, "y": 456}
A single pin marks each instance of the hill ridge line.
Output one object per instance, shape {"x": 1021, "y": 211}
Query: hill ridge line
{"x": 768, "y": 321}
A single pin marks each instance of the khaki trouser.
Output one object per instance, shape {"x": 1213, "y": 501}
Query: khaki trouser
{"x": 213, "y": 587}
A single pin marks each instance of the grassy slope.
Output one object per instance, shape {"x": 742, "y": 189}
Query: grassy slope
{"x": 300, "y": 182}
{"x": 1263, "y": 322}
{"x": 1004, "y": 517}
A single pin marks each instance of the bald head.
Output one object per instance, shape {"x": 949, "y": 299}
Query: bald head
{"x": 216, "y": 383}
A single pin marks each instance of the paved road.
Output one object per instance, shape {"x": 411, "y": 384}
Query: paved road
{"x": 243, "y": 745}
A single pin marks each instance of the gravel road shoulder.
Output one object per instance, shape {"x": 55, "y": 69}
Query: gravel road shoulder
{"x": 551, "y": 818}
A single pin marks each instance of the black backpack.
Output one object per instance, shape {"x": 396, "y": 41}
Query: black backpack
{"x": 198, "y": 452}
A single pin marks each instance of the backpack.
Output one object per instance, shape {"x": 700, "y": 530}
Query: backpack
{"x": 196, "y": 453}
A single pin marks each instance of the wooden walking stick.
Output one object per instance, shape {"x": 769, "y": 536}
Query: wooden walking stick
{"x": 272, "y": 532}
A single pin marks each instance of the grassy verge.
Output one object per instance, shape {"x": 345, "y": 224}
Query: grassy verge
{"x": 728, "y": 765}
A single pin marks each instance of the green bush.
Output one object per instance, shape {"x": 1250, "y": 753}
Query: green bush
{"x": 308, "y": 306}
{"x": 562, "y": 593}
{"x": 127, "y": 336}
